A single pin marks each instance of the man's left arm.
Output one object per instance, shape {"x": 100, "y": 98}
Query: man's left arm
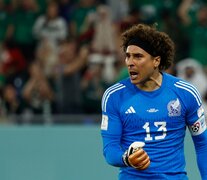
{"x": 199, "y": 135}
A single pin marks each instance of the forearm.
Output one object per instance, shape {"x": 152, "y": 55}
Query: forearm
{"x": 201, "y": 153}
{"x": 183, "y": 11}
{"x": 113, "y": 156}
{"x": 28, "y": 89}
{"x": 78, "y": 63}
{"x": 113, "y": 151}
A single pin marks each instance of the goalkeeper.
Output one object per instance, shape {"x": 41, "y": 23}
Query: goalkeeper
{"x": 144, "y": 117}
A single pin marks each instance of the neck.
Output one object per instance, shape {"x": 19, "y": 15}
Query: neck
{"x": 154, "y": 82}
{"x": 157, "y": 81}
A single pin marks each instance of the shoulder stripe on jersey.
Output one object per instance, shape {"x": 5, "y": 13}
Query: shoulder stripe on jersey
{"x": 104, "y": 108}
{"x": 108, "y": 93}
{"x": 191, "y": 86}
{"x": 108, "y": 90}
{"x": 191, "y": 90}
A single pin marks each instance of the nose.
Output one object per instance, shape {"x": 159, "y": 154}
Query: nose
{"x": 129, "y": 62}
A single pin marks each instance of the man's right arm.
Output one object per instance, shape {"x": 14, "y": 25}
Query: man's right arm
{"x": 111, "y": 131}
{"x": 111, "y": 127}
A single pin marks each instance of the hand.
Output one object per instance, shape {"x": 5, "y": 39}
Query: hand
{"x": 139, "y": 159}
{"x": 136, "y": 156}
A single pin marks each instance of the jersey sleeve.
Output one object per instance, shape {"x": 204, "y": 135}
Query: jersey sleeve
{"x": 199, "y": 136}
{"x": 111, "y": 129}
{"x": 195, "y": 119}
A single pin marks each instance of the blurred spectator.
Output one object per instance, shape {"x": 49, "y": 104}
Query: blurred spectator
{"x": 194, "y": 18}
{"x": 82, "y": 16}
{"x": 169, "y": 23}
{"x": 93, "y": 86}
{"x": 133, "y": 17}
{"x": 24, "y": 14}
{"x": 42, "y": 5}
{"x": 120, "y": 9}
{"x": 2, "y": 77}
{"x": 47, "y": 56}
{"x": 104, "y": 38}
{"x": 148, "y": 9}
{"x": 2, "y": 85}
{"x": 3, "y": 116}
{"x": 190, "y": 70}
{"x": 38, "y": 93}
{"x": 12, "y": 60}
{"x": 104, "y": 43}
{"x": 13, "y": 103}
{"x": 5, "y": 19}
{"x": 68, "y": 71}
{"x": 69, "y": 76}
{"x": 51, "y": 26}
{"x": 65, "y": 9}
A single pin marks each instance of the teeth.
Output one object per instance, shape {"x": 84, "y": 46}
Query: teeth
{"x": 133, "y": 76}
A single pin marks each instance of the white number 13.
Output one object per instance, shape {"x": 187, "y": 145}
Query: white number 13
{"x": 161, "y": 128}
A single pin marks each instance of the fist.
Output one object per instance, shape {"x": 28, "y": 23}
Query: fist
{"x": 139, "y": 159}
{"x": 136, "y": 157}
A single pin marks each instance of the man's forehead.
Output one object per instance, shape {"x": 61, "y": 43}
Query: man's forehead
{"x": 134, "y": 49}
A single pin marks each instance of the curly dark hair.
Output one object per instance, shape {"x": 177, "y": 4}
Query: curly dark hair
{"x": 161, "y": 44}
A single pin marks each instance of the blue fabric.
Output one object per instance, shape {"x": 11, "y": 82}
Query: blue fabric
{"x": 158, "y": 118}
{"x": 201, "y": 153}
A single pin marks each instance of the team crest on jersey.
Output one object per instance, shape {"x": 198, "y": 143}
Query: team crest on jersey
{"x": 174, "y": 108}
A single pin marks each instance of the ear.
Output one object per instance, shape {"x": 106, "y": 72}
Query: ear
{"x": 156, "y": 61}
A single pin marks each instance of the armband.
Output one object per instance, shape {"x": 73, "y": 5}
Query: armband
{"x": 198, "y": 127}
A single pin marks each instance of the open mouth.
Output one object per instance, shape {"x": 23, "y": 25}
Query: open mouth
{"x": 133, "y": 75}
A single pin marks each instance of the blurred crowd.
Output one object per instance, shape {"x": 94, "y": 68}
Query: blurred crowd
{"x": 58, "y": 57}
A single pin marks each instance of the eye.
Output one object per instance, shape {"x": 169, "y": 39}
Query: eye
{"x": 138, "y": 56}
{"x": 127, "y": 55}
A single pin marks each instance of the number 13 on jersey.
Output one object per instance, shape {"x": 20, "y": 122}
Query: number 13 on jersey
{"x": 161, "y": 127}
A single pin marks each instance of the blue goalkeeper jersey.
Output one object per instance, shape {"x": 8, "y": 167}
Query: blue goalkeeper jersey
{"x": 159, "y": 118}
